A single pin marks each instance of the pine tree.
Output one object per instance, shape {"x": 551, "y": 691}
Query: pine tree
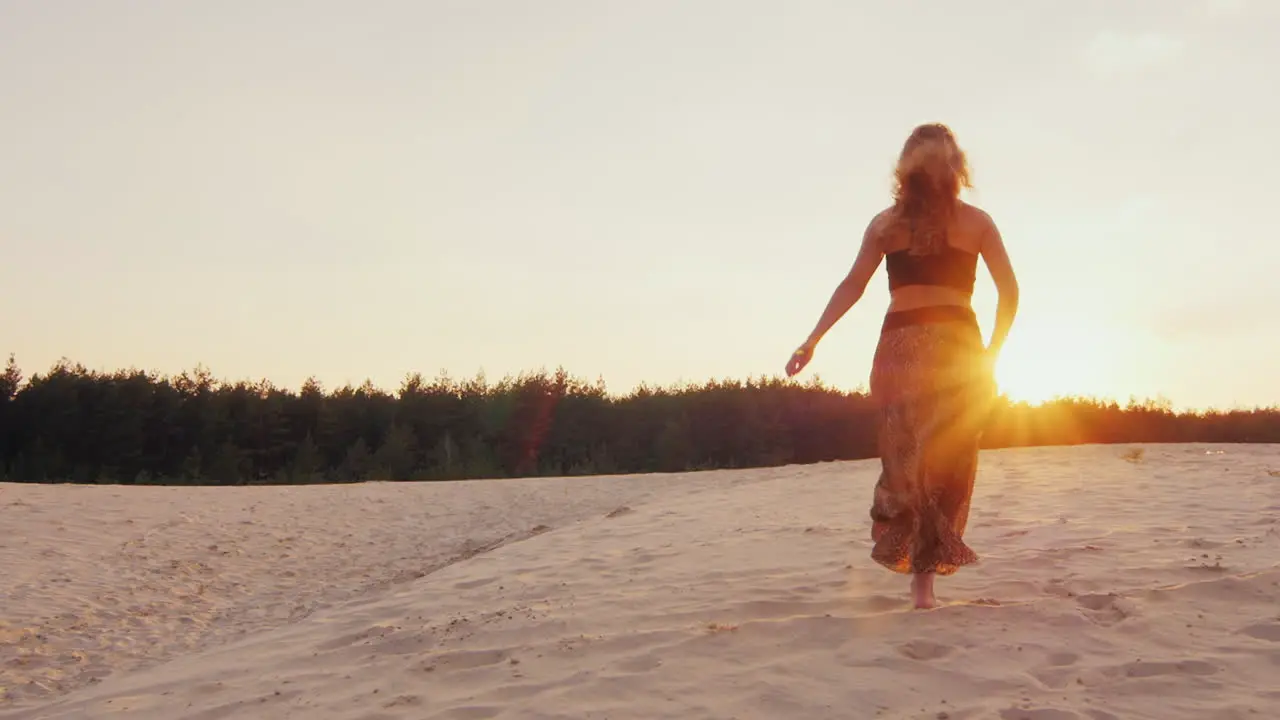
{"x": 10, "y": 381}
{"x": 193, "y": 466}
{"x": 307, "y": 462}
{"x": 396, "y": 458}
{"x": 357, "y": 464}
{"x": 227, "y": 465}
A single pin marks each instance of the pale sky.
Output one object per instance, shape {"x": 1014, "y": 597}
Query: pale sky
{"x": 646, "y": 191}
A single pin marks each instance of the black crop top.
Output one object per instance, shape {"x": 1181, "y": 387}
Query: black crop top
{"x": 951, "y": 267}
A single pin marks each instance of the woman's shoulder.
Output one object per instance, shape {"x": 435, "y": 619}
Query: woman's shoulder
{"x": 879, "y": 225}
{"x": 973, "y": 212}
{"x": 979, "y": 226}
{"x": 977, "y": 221}
{"x": 883, "y": 219}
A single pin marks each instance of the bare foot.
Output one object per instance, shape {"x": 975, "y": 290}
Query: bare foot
{"x": 922, "y": 591}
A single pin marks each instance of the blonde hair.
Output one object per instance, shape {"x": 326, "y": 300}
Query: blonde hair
{"x": 931, "y": 171}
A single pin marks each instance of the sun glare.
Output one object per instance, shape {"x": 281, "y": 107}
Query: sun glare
{"x": 1039, "y": 363}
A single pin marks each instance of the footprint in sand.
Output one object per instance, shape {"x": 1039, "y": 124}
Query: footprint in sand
{"x": 468, "y": 659}
{"x": 407, "y": 643}
{"x": 1105, "y": 609}
{"x": 1060, "y": 672}
{"x": 880, "y": 603}
{"x": 1264, "y": 631}
{"x": 925, "y": 650}
{"x": 1063, "y": 659}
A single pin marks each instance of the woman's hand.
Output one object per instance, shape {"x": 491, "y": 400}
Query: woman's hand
{"x": 800, "y": 358}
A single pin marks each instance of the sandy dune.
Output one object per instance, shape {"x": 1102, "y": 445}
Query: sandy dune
{"x": 1109, "y": 588}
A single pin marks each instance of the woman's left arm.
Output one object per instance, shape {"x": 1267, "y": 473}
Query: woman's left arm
{"x": 850, "y": 290}
{"x": 846, "y": 294}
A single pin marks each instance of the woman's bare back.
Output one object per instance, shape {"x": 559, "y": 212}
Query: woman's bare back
{"x": 972, "y": 231}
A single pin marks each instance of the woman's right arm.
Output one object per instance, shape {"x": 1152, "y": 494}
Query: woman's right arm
{"x": 997, "y": 260}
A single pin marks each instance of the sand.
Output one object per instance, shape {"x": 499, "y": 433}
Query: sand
{"x": 1111, "y": 586}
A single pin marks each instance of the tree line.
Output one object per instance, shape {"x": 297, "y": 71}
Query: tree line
{"x": 71, "y": 424}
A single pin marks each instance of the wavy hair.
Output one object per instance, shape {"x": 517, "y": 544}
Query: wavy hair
{"x": 931, "y": 171}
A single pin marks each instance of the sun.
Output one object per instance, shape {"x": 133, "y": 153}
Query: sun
{"x": 1041, "y": 362}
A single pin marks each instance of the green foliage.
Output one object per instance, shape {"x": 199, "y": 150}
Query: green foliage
{"x": 75, "y": 425}
{"x": 308, "y": 463}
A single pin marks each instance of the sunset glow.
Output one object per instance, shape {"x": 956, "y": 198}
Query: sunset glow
{"x": 1041, "y": 362}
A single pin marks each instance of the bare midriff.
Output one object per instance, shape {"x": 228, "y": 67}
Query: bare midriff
{"x": 911, "y": 297}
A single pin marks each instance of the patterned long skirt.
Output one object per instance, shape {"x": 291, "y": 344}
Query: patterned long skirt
{"x": 933, "y": 394}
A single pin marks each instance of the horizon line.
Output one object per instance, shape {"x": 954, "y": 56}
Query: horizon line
{"x": 481, "y": 378}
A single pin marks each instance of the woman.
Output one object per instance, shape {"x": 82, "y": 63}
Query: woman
{"x": 931, "y": 378}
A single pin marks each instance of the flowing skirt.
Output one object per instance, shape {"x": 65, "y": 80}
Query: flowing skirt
{"x": 933, "y": 393}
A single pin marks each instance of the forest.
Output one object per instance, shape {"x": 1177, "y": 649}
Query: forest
{"x": 76, "y": 425}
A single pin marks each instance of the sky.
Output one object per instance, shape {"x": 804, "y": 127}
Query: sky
{"x": 652, "y": 191}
